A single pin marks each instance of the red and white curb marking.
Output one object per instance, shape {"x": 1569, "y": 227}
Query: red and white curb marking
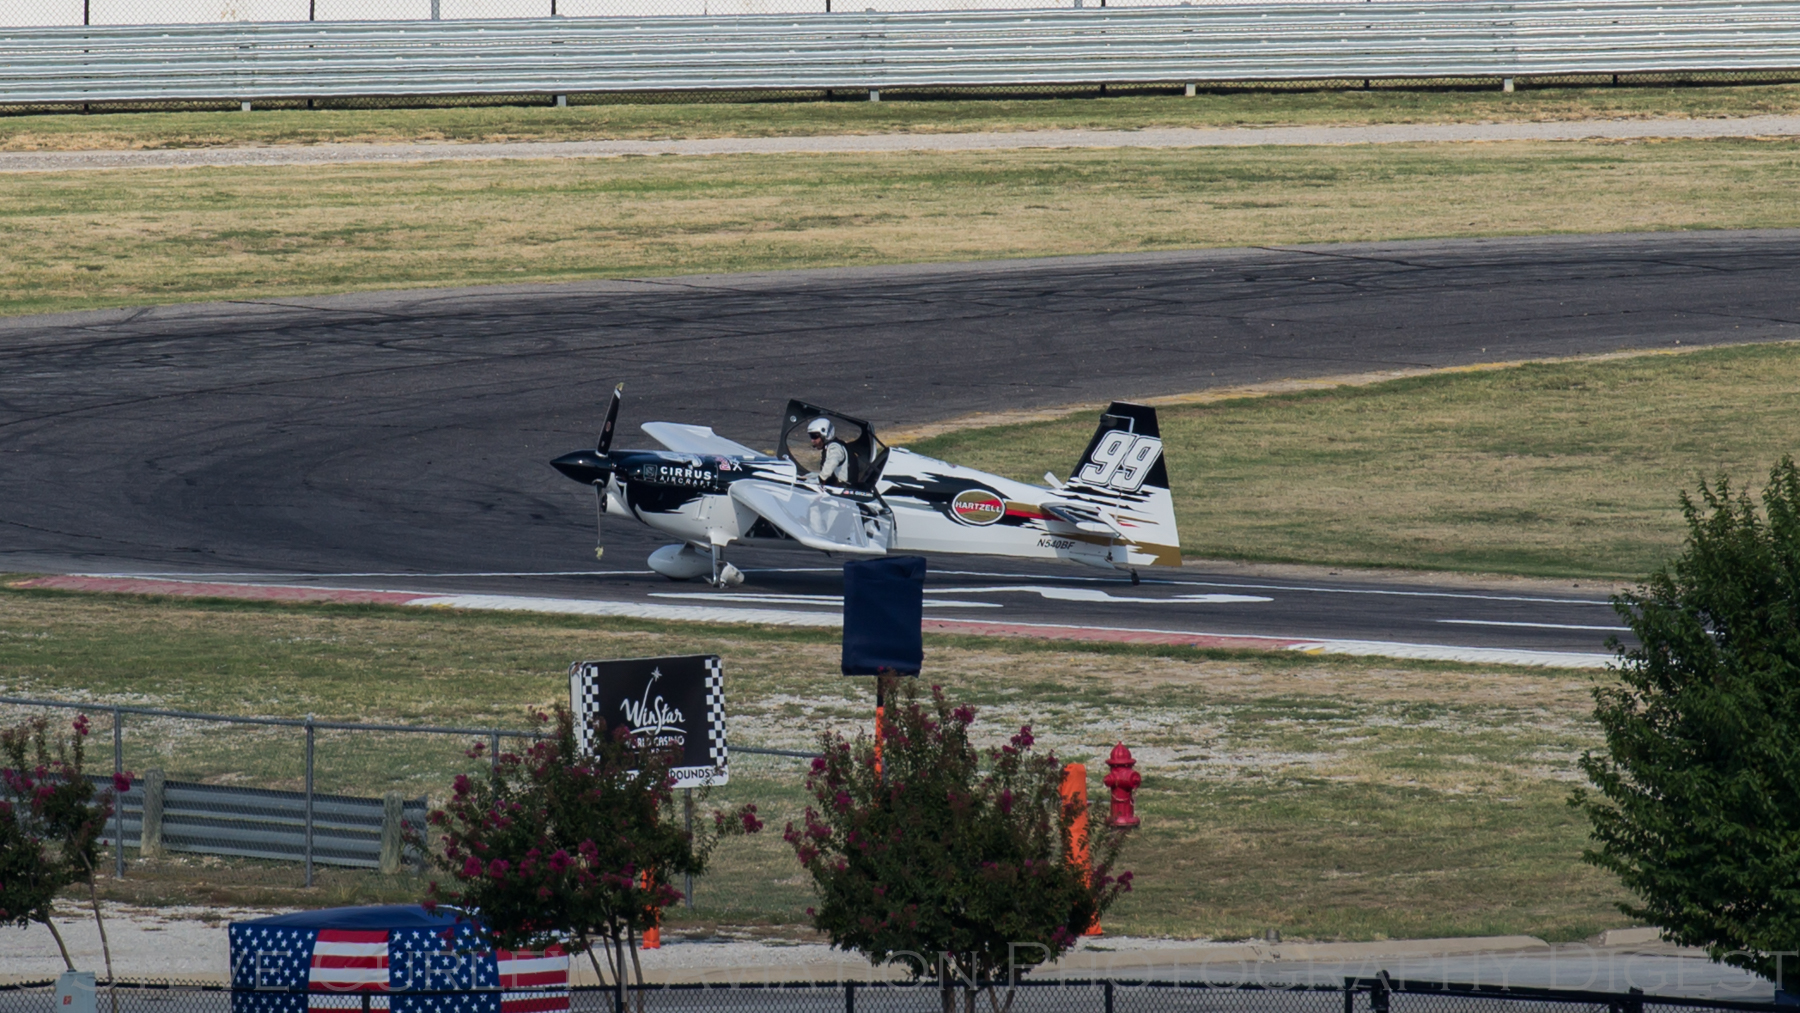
{"x": 785, "y": 617}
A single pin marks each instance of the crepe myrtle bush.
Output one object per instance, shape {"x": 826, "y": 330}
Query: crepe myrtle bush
{"x": 560, "y": 847}
{"x": 51, "y": 821}
{"x": 949, "y": 858}
{"x": 1694, "y": 803}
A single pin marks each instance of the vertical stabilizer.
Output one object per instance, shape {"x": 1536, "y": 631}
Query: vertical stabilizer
{"x": 1122, "y": 473}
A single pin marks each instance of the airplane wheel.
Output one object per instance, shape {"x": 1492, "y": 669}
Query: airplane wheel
{"x": 1134, "y": 578}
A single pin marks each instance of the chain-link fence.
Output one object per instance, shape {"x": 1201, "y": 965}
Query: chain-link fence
{"x": 245, "y": 804}
{"x": 1030, "y": 996}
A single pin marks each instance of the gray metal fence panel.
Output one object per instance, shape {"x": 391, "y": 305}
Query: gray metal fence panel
{"x": 1435, "y": 38}
{"x": 213, "y": 819}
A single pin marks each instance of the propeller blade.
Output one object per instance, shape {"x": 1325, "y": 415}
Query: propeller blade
{"x": 612, "y": 416}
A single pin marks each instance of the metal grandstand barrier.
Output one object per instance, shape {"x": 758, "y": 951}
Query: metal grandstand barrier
{"x": 1034, "y": 995}
{"x": 867, "y": 49}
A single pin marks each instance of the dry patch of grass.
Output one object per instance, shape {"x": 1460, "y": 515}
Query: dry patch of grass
{"x": 1555, "y": 469}
{"x": 1330, "y": 798}
{"x": 149, "y": 236}
{"x": 661, "y": 120}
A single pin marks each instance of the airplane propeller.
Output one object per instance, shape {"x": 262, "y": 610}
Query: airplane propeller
{"x": 601, "y": 446}
{"x": 612, "y": 415}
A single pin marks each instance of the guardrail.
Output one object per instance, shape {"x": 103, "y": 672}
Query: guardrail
{"x": 211, "y": 819}
{"x": 1231, "y": 42}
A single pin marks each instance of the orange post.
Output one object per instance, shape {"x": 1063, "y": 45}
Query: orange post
{"x": 881, "y": 688}
{"x": 1074, "y": 793}
{"x": 880, "y": 712}
{"x": 653, "y": 932}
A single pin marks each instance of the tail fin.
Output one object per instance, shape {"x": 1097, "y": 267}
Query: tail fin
{"x": 1123, "y": 471}
{"x": 612, "y": 416}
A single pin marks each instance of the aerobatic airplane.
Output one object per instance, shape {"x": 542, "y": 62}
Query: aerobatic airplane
{"x": 847, "y": 492}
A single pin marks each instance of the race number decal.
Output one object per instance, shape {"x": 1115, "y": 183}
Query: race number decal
{"x": 1121, "y": 460}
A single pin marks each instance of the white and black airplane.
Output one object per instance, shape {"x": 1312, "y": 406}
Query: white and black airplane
{"x": 1115, "y": 510}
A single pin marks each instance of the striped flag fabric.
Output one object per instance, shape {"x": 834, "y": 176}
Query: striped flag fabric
{"x": 424, "y": 963}
{"x": 534, "y": 982}
{"x": 346, "y": 961}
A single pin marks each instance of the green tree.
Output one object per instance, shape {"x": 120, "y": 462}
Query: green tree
{"x": 948, "y": 859}
{"x": 558, "y": 847}
{"x": 57, "y": 822}
{"x": 29, "y": 879}
{"x": 1696, "y": 804}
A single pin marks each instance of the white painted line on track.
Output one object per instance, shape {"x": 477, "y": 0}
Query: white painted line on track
{"x": 1285, "y": 587}
{"x": 180, "y": 575}
{"x": 782, "y": 617}
{"x": 1534, "y": 626}
{"x": 1445, "y": 652}
{"x": 629, "y": 610}
{"x": 1089, "y": 594}
{"x": 832, "y": 601}
{"x": 1364, "y": 648}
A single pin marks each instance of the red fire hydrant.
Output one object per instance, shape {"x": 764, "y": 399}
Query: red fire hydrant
{"x": 1123, "y": 781}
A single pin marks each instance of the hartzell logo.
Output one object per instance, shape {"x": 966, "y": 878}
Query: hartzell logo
{"x": 977, "y": 506}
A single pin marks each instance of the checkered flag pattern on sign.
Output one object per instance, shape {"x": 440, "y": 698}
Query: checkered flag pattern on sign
{"x": 716, "y": 747}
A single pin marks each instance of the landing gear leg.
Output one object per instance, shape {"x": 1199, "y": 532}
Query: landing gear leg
{"x": 1134, "y": 578}
{"x": 723, "y": 573}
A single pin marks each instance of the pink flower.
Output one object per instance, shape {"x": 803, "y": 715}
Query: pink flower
{"x": 122, "y": 782}
{"x": 559, "y": 860}
{"x": 461, "y": 785}
{"x": 1024, "y": 739}
{"x": 498, "y": 868}
{"x": 471, "y": 867}
{"x": 751, "y": 823}
{"x": 429, "y": 905}
{"x": 1006, "y": 800}
{"x": 818, "y": 765}
{"x": 964, "y": 714}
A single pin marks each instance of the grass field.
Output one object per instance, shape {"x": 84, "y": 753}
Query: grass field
{"x": 658, "y": 120}
{"x": 1563, "y": 469}
{"x": 1328, "y": 798}
{"x": 89, "y": 239}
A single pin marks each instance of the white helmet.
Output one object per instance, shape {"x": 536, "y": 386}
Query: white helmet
{"x": 820, "y": 427}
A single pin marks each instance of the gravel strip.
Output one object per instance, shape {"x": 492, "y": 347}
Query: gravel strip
{"x": 1170, "y": 137}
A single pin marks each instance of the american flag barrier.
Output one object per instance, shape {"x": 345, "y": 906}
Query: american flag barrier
{"x": 1034, "y": 995}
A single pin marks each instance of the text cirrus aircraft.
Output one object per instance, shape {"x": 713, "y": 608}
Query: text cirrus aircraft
{"x": 1115, "y": 511}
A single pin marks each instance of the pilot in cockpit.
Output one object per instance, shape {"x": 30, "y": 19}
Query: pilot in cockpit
{"x": 834, "y": 459}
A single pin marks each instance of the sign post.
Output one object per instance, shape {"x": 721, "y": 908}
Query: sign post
{"x": 884, "y": 611}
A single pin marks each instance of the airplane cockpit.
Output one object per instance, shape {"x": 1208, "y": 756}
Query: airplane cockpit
{"x": 867, "y": 453}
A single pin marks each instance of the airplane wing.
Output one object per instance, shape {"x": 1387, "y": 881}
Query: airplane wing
{"x": 686, "y": 439}
{"x": 815, "y": 519}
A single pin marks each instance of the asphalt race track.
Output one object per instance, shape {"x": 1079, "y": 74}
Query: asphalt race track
{"x": 404, "y": 436}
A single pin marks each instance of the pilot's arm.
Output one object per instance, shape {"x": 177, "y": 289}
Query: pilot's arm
{"x": 835, "y": 468}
